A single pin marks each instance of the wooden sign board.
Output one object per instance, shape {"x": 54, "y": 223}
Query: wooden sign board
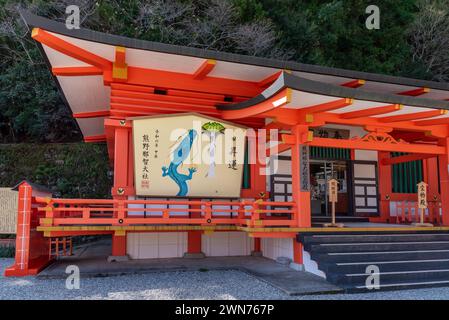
{"x": 422, "y": 195}
{"x": 333, "y": 190}
{"x": 188, "y": 155}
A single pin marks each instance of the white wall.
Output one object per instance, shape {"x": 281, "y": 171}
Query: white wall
{"x": 147, "y": 245}
{"x": 277, "y": 247}
{"x": 226, "y": 244}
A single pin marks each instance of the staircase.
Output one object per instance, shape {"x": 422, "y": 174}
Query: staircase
{"x": 405, "y": 259}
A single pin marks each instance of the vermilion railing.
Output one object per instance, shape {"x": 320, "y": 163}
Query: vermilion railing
{"x": 64, "y": 212}
{"x": 408, "y": 211}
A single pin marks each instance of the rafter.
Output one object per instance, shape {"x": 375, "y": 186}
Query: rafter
{"x": 328, "y": 106}
{"x": 69, "y": 49}
{"x": 97, "y": 138}
{"x": 354, "y": 83}
{"x": 91, "y": 114}
{"x": 77, "y": 71}
{"x": 371, "y": 111}
{"x": 434, "y": 122}
{"x": 415, "y": 92}
{"x": 205, "y": 68}
{"x": 414, "y": 116}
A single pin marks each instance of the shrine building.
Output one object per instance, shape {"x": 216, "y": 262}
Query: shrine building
{"x": 273, "y": 134}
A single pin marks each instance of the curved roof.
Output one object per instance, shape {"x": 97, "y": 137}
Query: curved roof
{"x": 249, "y": 80}
{"x": 86, "y": 34}
{"x": 286, "y": 80}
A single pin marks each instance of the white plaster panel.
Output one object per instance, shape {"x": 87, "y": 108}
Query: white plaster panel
{"x": 148, "y": 245}
{"x": 226, "y": 244}
{"x": 277, "y": 247}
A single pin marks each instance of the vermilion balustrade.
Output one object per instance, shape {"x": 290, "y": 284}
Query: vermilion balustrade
{"x": 60, "y": 212}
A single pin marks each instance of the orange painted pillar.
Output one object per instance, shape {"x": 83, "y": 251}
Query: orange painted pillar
{"x": 20, "y": 266}
{"x": 121, "y": 165}
{"x": 298, "y": 258}
{"x": 119, "y": 244}
{"x": 194, "y": 248}
{"x": 301, "y": 198}
{"x": 431, "y": 177}
{"x": 194, "y": 242}
{"x": 443, "y": 161}
{"x": 257, "y": 245}
{"x": 385, "y": 186}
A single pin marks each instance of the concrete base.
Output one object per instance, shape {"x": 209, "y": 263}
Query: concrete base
{"x": 92, "y": 263}
{"x": 118, "y": 258}
{"x": 283, "y": 261}
{"x": 256, "y": 253}
{"x": 194, "y": 255}
{"x": 333, "y": 225}
{"x": 422, "y": 224}
{"x": 297, "y": 266}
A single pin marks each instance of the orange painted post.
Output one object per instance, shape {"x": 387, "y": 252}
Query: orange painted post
{"x": 121, "y": 158}
{"x": 194, "y": 237}
{"x": 431, "y": 177}
{"x": 385, "y": 186}
{"x": 119, "y": 244}
{"x": 300, "y": 198}
{"x": 444, "y": 183}
{"x": 257, "y": 251}
{"x": 298, "y": 259}
{"x": 23, "y": 232}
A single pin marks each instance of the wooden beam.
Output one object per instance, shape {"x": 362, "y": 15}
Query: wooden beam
{"x": 278, "y": 100}
{"x": 371, "y": 111}
{"x": 354, "y": 83}
{"x": 414, "y": 116}
{"x": 377, "y": 146}
{"x": 406, "y": 158}
{"x": 91, "y": 114}
{"x": 204, "y": 69}
{"x": 93, "y": 139}
{"x": 415, "y": 92}
{"x": 332, "y": 118}
{"x": 282, "y": 147}
{"x": 77, "y": 71}
{"x": 434, "y": 122}
{"x": 163, "y": 97}
{"x": 169, "y": 80}
{"x": 69, "y": 49}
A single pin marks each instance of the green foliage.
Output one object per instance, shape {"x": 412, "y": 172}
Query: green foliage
{"x": 76, "y": 170}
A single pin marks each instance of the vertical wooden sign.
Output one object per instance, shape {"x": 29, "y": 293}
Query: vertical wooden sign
{"x": 422, "y": 204}
{"x": 304, "y": 173}
{"x": 332, "y": 191}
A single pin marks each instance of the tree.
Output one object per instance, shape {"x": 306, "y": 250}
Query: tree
{"x": 429, "y": 38}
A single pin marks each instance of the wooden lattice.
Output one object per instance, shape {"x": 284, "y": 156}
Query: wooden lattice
{"x": 8, "y": 211}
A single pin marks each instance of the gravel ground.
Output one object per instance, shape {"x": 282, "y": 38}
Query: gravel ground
{"x": 179, "y": 285}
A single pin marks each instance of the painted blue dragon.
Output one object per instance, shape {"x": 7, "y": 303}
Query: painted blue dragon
{"x": 179, "y": 155}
